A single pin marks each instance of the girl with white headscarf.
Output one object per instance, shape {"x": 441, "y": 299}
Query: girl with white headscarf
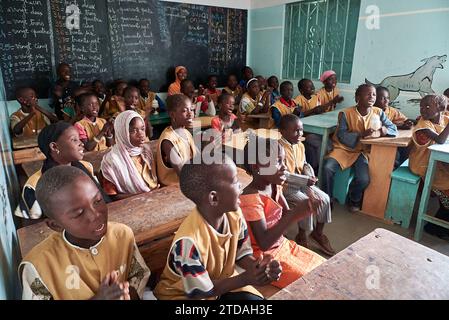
{"x": 129, "y": 168}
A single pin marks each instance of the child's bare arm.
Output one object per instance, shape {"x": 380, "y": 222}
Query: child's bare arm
{"x": 438, "y": 138}
{"x": 51, "y": 116}
{"x": 173, "y": 159}
{"x": 18, "y": 128}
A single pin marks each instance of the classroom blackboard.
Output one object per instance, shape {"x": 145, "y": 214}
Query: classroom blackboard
{"x": 111, "y": 39}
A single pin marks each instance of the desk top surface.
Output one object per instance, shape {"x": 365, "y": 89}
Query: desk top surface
{"x": 381, "y": 265}
{"x": 238, "y": 140}
{"x": 141, "y": 213}
{"x": 24, "y": 142}
{"x": 440, "y": 147}
{"x": 325, "y": 120}
{"x": 259, "y": 116}
{"x": 402, "y": 140}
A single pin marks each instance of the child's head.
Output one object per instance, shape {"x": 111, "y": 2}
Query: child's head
{"x": 446, "y": 93}
{"x": 88, "y": 104}
{"x": 286, "y": 90}
{"x": 212, "y": 82}
{"x": 291, "y": 128}
{"x": 264, "y": 160}
{"x": 306, "y": 87}
{"x": 247, "y": 73}
{"x": 26, "y": 97}
{"x": 61, "y": 143}
{"x": 129, "y": 130}
{"x": 382, "y": 97}
{"x": 262, "y": 82}
{"x": 64, "y": 71}
{"x": 432, "y": 105}
{"x": 187, "y": 88}
{"x": 214, "y": 187}
{"x": 144, "y": 86}
{"x": 131, "y": 96}
{"x": 181, "y": 73}
{"x": 365, "y": 95}
{"x": 179, "y": 108}
{"x": 226, "y": 103}
{"x": 329, "y": 79}
{"x": 273, "y": 82}
{"x": 253, "y": 88}
{"x": 72, "y": 202}
{"x": 120, "y": 87}
{"x": 232, "y": 81}
{"x": 98, "y": 87}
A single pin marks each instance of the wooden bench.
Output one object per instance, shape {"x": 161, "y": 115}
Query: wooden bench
{"x": 382, "y": 265}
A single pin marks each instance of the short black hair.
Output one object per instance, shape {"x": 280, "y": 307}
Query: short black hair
{"x": 20, "y": 91}
{"x": 97, "y": 80}
{"x": 302, "y": 83}
{"x": 272, "y": 78}
{"x": 81, "y": 99}
{"x": 197, "y": 179}
{"x": 287, "y": 119}
{"x": 439, "y": 99}
{"x": 380, "y": 88}
{"x": 362, "y": 87}
{"x": 184, "y": 83}
{"x": 175, "y": 101}
{"x": 142, "y": 80}
{"x": 211, "y": 76}
{"x": 253, "y": 147}
{"x": 245, "y": 68}
{"x": 446, "y": 92}
{"x": 130, "y": 89}
{"x": 284, "y": 84}
{"x": 52, "y": 182}
{"x": 223, "y": 97}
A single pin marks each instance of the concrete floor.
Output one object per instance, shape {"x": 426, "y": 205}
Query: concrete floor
{"x": 347, "y": 227}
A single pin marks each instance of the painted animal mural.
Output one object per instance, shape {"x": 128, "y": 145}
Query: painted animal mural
{"x": 418, "y": 81}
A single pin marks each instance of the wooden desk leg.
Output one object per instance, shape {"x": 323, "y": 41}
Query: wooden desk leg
{"x": 425, "y": 198}
{"x": 323, "y": 151}
{"x": 381, "y": 164}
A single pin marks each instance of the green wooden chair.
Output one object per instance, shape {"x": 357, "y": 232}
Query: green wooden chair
{"x": 342, "y": 180}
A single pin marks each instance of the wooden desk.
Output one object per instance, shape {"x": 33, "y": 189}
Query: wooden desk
{"x": 264, "y": 119}
{"x": 203, "y": 122}
{"x": 153, "y": 217}
{"x": 24, "y": 142}
{"x": 239, "y": 140}
{"x": 322, "y": 124}
{"x": 94, "y": 157}
{"x": 381, "y": 165}
{"x": 381, "y": 265}
{"x": 438, "y": 152}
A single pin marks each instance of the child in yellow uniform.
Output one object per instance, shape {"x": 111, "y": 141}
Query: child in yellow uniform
{"x": 211, "y": 91}
{"x": 329, "y": 92}
{"x": 115, "y": 104}
{"x": 234, "y": 89}
{"x": 285, "y": 105}
{"x": 129, "y": 167}
{"x": 96, "y": 133}
{"x": 395, "y": 116}
{"x": 212, "y": 240}
{"x": 253, "y": 102}
{"x": 175, "y": 146}
{"x": 355, "y": 123}
{"x": 148, "y": 98}
{"x": 30, "y": 119}
{"x": 268, "y": 214}
{"x": 291, "y": 129}
{"x": 87, "y": 257}
{"x": 200, "y": 102}
{"x": 433, "y": 127}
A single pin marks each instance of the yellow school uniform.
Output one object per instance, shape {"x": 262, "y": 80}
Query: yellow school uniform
{"x": 306, "y": 104}
{"x": 204, "y": 255}
{"x": 247, "y": 105}
{"x": 33, "y": 126}
{"x": 88, "y": 129}
{"x": 184, "y": 148}
{"x": 235, "y": 93}
{"x": 113, "y": 107}
{"x": 295, "y": 156}
{"x": 395, "y": 116}
{"x": 419, "y": 154}
{"x": 283, "y": 110}
{"x": 344, "y": 155}
{"x": 326, "y": 97}
{"x": 56, "y": 269}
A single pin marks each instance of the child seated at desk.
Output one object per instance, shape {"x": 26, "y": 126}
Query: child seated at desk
{"x": 446, "y": 94}
{"x": 99, "y": 88}
{"x": 247, "y": 74}
{"x": 329, "y": 92}
{"x": 253, "y": 102}
{"x": 60, "y": 144}
{"x": 395, "y": 116}
{"x": 115, "y": 104}
{"x": 129, "y": 168}
{"x": 273, "y": 85}
{"x": 291, "y": 130}
{"x": 175, "y": 145}
{"x": 226, "y": 122}
{"x": 31, "y": 118}
{"x": 212, "y": 240}
{"x": 200, "y": 102}
{"x": 211, "y": 90}
{"x": 175, "y": 87}
{"x": 87, "y": 257}
{"x": 150, "y": 98}
{"x": 62, "y": 89}
{"x": 285, "y": 105}
{"x": 355, "y": 123}
{"x": 72, "y": 111}
{"x": 96, "y": 133}
{"x": 234, "y": 89}
{"x": 268, "y": 214}
{"x": 131, "y": 97}
{"x": 433, "y": 127}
